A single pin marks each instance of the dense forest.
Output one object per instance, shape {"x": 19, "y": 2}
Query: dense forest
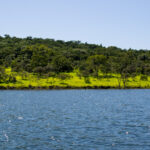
{"x": 49, "y": 57}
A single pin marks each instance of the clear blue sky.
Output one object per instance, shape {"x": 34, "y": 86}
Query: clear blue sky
{"x": 122, "y": 23}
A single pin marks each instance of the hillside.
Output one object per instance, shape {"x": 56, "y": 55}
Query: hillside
{"x": 48, "y": 63}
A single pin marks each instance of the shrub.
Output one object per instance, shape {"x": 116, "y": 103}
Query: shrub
{"x": 62, "y": 64}
{"x": 12, "y": 79}
{"x": 39, "y": 70}
{"x": 87, "y": 80}
{"x": 144, "y": 78}
{"x": 64, "y": 76}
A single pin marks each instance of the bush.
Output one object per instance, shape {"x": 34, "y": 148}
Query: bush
{"x": 62, "y": 64}
{"x": 144, "y": 78}
{"x": 3, "y": 75}
{"x": 12, "y": 79}
{"x": 39, "y": 70}
{"x": 48, "y": 68}
{"x": 64, "y": 76}
{"x": 87, "y": 80}
{"x": 51, "y": 74}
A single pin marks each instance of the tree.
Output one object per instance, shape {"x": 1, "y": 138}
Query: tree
{"x": 96, "y": 62}
{"x": 3, "y": 75}
{"x": 62, "y": 64}
{"x": 86, "y": 70}
{"x": 39, "y": 70}
{"x": 41, "y": 56}
{"x": 125, "y": 69}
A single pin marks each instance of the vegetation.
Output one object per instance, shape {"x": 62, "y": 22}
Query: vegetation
{"x": 48, "y": 63}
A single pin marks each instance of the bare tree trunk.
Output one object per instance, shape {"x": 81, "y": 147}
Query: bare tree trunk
{"x": 124, "y": 81}
{"x": 119, "y": 82}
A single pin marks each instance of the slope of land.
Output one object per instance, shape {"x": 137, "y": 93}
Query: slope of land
{"x": 38, "y": 63}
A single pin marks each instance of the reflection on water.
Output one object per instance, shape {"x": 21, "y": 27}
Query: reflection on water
{"x": 75, "y": 119}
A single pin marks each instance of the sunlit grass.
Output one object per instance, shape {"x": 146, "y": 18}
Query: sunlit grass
{"x": 75, "y": 81}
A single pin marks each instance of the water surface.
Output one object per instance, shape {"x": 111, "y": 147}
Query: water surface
{"x": 75, "y": 120}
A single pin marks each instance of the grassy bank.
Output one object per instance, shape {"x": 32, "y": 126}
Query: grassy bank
{"x": 70, "y": 81}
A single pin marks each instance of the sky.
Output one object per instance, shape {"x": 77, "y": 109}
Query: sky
{"x": 121, "y": 23}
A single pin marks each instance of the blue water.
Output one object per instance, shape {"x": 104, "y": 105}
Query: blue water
{"x": 75, "y": 120}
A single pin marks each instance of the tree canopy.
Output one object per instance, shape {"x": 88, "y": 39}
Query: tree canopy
{"x": 44, "y": 56}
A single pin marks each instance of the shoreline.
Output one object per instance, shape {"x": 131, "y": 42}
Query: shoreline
{"x": 68, "y": 88}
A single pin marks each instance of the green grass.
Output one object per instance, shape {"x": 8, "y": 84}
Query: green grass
{"x": 75, "y": 81}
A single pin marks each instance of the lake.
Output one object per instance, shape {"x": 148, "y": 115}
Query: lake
{"x": 75, "y": 120}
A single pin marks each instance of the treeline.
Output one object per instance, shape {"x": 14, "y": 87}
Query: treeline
{"x": 51, "y": 57}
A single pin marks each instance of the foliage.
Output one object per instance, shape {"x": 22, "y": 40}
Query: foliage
{"x": 63, "y": 76}
{"x": 48, "y": 57}
{"x": 144, "y": 78}
{"x": 62, "y": 64}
